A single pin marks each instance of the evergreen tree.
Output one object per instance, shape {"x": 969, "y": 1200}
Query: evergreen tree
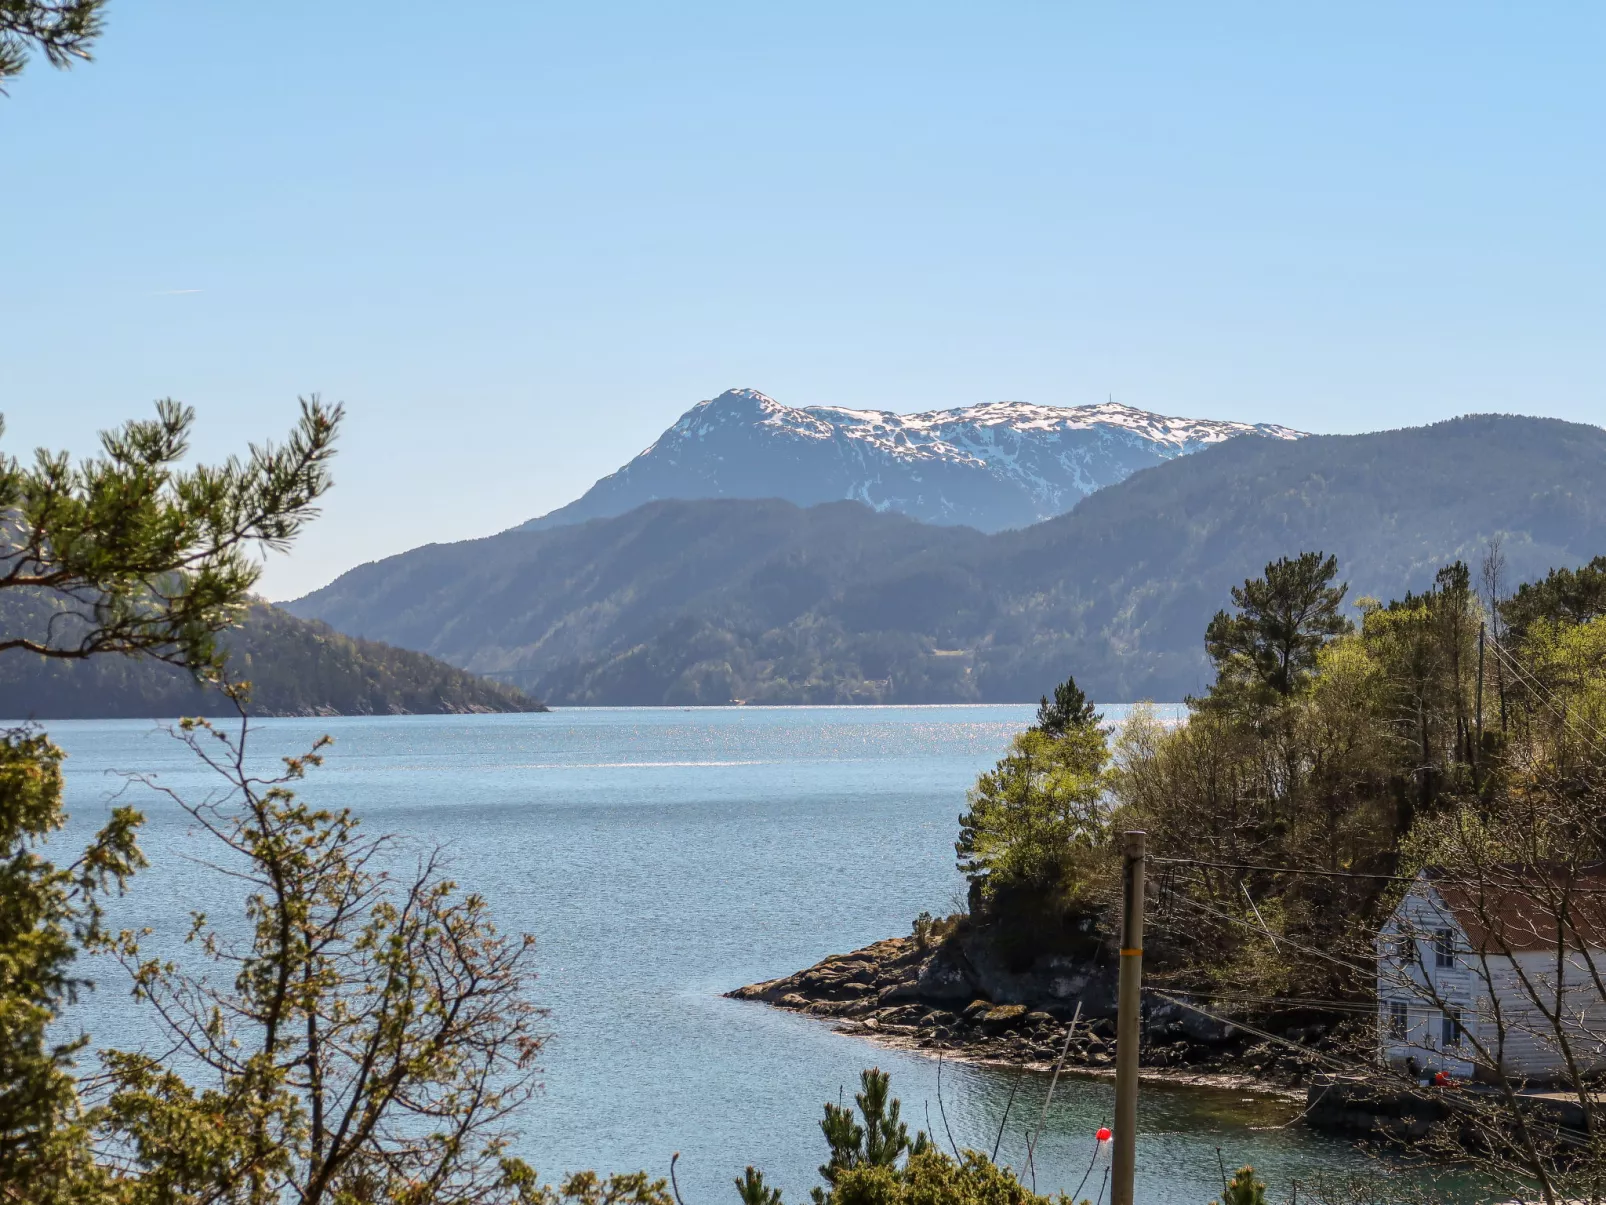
{"x": 1564, "y": 596}
{"x": 1268, "y": 649}
{"x": 61, "y": 30}
{"x": 136, "y": 557}
{"x": 1070, "y": 709}
{"x": 753, "y": 1191}
{"x": 877, "y": 1164}
{"x": 1244, "y": 1189}
{"x": 879, "y": 1142}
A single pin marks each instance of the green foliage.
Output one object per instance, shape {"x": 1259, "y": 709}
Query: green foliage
{"x": 578, "y": 1188}
{"x": 1070, "y": 709}
{"x": 130, "y": 555}
{"x": 61, "y": 30}
{"x": 1426, "y": 648}
{"x": 1035, "y": 820}
{"x": 933, "y": 1178}
{"x": 1376, "y": 729}
{"x": 1377, "y": 765}
{"x": 1568, "y": 663}
{"x": 374, "y": 1037}
{"x": 376, "y": 1034}
{"x": 879, "y": 1142}
{"x": 753, "y": 1191}
{"x": 138, "y": 556}
{"x": 47, "y": 914}
{"x": 1244, "y": 1189}
{"x": 1564, "y": 596}
{"x": 1268, "y": 649}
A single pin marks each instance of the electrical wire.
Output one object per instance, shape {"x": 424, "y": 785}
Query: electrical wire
{"x": 1346, "y": 874}
{"x": 1345, "y": 1064}
{"x": 1355, "y": 1006}
{"x": 1547, "y": 697}
{"x": 1369, "y": 971}
{"x": 1299, "y": 870}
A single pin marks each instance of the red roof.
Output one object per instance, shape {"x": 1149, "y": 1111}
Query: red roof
{"x": 1508, "y": 908}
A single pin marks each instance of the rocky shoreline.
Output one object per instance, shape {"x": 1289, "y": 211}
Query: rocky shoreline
{"x": 952, "y": 999}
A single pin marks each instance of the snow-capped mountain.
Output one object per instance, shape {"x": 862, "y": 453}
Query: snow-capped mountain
{"x": 992, "y": 466}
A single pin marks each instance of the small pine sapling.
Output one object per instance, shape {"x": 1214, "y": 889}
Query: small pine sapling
{"x": 878, "y": 1142}
{"x": 754, "y": 1191}
{"x": 1244, "y": 1189}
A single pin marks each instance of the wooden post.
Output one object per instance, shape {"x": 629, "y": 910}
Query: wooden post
{"x": 1127, "y": 1037}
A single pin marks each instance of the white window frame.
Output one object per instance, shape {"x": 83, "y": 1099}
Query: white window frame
{"x": 1399, "y": 1020}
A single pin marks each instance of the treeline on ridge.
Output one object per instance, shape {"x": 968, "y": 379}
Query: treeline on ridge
{"x": 294, "y": 667}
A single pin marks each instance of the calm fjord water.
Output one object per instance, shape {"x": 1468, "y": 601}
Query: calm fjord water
{"x": 662, "y": 857}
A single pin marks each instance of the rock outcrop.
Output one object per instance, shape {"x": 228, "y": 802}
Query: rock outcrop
{"x": 956, "y": 996}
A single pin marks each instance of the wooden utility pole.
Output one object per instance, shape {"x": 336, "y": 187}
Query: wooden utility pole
{"x": 1127, "y": 1017}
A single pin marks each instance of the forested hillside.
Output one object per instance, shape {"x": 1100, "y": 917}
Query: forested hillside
{"x": 702, "y": 602}
{"x": 295, "y": 667}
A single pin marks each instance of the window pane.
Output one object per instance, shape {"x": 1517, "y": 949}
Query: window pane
{"x": 1451, "y": 1035}
{"x": 1444, "y": 948}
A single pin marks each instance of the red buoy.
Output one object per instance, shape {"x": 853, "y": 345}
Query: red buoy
{"x": 1104, "y": 1134}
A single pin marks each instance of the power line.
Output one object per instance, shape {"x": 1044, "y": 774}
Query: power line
{"x": 1227, "y": 916}
{"x": 1345, "y": 1064}
{"x": 1481, "y": 882}
{"x": 1300, "y": 870}
{"x": 1334, "y": 1005}
{"x": 1547, "y": 697}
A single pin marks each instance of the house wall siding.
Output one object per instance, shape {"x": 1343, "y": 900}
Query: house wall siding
{"x": 1532, "y": 1047}
{"x": 1412, "y": 975}
{"x": 1517, "y": 1033}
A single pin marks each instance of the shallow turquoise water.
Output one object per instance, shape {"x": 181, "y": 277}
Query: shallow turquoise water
{"x": 662, "y": 857}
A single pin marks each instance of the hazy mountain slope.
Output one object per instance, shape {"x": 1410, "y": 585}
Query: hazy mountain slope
{"x": 699, "y": 602}
{"x": 296, "y": 667}
{"x": 993, "y": 466}
{"x": 521, "y": 602}
{"x": 1130, "y": 577}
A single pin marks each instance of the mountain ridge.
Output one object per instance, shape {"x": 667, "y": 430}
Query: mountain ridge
{"x": 991, "y": 466}
{"x": 712, "y": 600}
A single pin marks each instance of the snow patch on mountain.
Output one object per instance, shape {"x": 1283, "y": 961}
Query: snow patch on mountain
{"x": 993, "y": 465}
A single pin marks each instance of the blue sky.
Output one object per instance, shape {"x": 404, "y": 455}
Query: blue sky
{"x": 519, "y": 239}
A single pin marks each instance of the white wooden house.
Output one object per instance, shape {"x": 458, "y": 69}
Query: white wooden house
{"x": 1466, "y": 974}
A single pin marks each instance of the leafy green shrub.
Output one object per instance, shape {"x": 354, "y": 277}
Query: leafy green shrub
{"x": 1036, "y": 818}
{"x": 933, "y": 1178}
{"x": 584, "y": 1188}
